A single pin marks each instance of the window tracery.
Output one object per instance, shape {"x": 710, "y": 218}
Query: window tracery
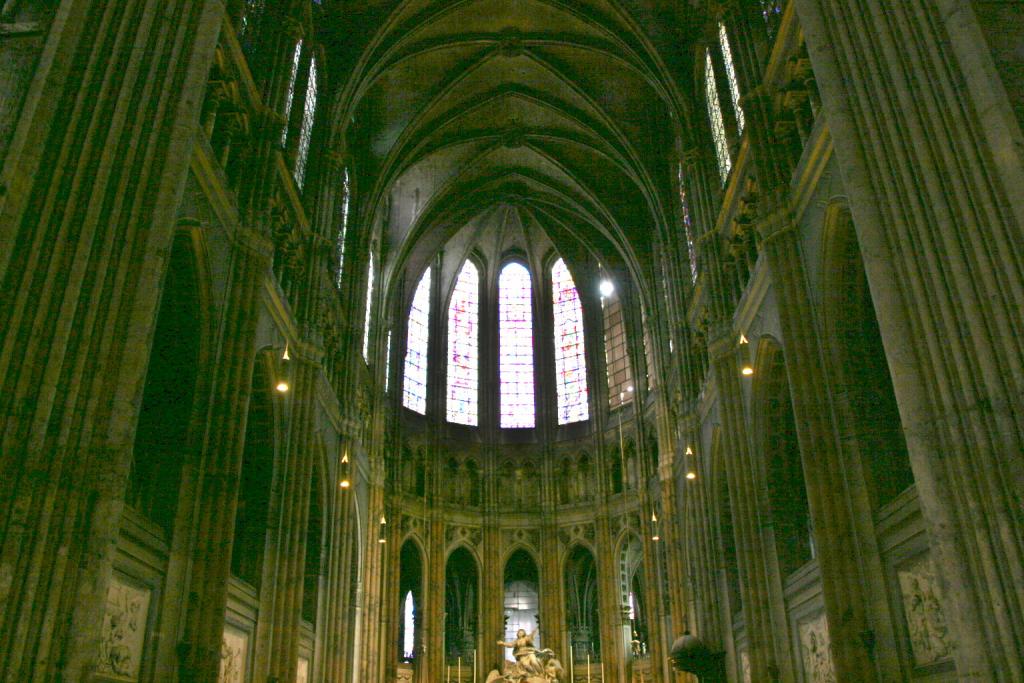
{"x": 306, "y": 132}
{"x": 620, "y": 371}
{"x": 290, "y": 96}
{"x": 730, "y": 72}
{"x": 570, "y": 358}
{"x": 715, "y": 116}
{"x": 414, "y": 391}
{"x": 346, "y": 196}
{"x": 515, "y": 334}
{"x": 464, "y": 348}
{"x": 691, "y": 245}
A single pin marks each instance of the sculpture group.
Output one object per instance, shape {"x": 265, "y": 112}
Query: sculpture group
{"x": 532, "y": 665}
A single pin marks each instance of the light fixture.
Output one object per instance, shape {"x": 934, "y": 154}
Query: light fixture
{"x": 286, "y": 356}
{"x": 381, "y": 538}
{"x": 343, "y": 472}
{"x": 655, "y": 536}
{"x": 747, "y": 371}
{"x": 282, "y": 387}
{"x": 743, "y": 339}
{"x": 629, "y": 389}
{"x": 607, "y": 288}
{"x": 691, "y": 475}
{"x": 689, "y": 451}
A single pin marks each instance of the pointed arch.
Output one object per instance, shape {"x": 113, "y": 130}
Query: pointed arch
{"x": 414, "y": 389}
{"x": 570, "y": 355}
{"x": 515, "y": 335}
{"x": 463, "y": 401}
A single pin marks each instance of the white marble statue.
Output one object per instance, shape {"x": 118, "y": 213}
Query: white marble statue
{"x": 532, "y": 665}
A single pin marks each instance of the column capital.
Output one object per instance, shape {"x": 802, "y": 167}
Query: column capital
{"x": 775, "y": 217}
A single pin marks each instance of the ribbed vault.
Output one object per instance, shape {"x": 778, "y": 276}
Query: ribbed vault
{"x": 567, "y": 111}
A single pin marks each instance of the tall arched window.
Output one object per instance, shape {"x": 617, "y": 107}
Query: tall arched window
{"x": 414, "y": 391}
{"x": 684, "y": 206}
{"x": 290, "y": 96}
{"x": 369, "y": 311}
{"x": 306, "y": 132}
{"x": 730, "y": 72}
{"x": 464, "y": 348}
{"x": 346, "y": 198}
{"x": 570, "y": 360}
{"x": 715, "y": 115}
{"x": 515, "y": 333}
{"x": 620, "y": 370}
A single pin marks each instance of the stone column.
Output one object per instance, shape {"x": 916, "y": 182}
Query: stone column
{"x": 849, "y": 578}
{"x": 763, "y": 608}
{"x": 434, "y": 599}
{"x": 552, "y": 592}
{"x": 608, "y": 603}
{"x": 86, "y": 221}
{"x": 223, "y": 446}
{"x": 277, "y": 632}
{"x": 930, "y": 152}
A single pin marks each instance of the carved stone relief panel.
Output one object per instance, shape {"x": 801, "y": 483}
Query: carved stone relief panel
{"x": 302, "y": 671}
{"x": 817, "y": 652}
{"x": 569, "y": 535}
{"x": 528, "y": 537}
{"x": 234, "y": 652}
{"x": 123, "y": 634}
{"x": 930, "y": 639}
{"x": 469, "y": 535}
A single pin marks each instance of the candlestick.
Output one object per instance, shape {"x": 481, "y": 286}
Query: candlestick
{"x": 459, "y": 679}
{"x": 588, "y": 667}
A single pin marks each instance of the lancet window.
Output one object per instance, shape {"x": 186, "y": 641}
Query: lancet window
{"x": 570, "y": 359}
{"x": 290, "y": 96}
{"x": 369, "y": 310}
{"x": 730, "y": 72}
{"x": 306, "y": 132}
{"x": 414, "y": 391}
{"x": 715, "y": 116}
{"x": 464, "y": 348}
{"x": 620, "y": 371}
{"x": 515, "y": 333}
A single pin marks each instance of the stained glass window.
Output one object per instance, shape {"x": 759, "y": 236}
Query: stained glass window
{"x": 715, "y": 114}
{"x": 730, "y": 72}
{"x": 369, "y": 311}
{"x": 414, "y": 392}
{"x": 387, "y": 365}
{"x": 570, "y": 360}
{"x": 339, "y": 247}
{"x": 248, "y": 32}
{"x": 771, "y": 10}
{"x": 515, "y": 320}
{"x": 306, "y": 132}
{"x": 290, "y": 96}
{"x": 620, "y": 371}
{"x": 684, "y": 206}
{"x": 464, "y": 348}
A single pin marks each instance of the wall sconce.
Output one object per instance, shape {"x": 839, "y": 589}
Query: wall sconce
{"x": 746, "y": 369}
{"x": 382, "y": 533}
{"x": 343, "y": 472}
{"x": 655, "y": 536}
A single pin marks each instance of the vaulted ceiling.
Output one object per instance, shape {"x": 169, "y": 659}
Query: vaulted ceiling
{"x": 566, "y": 110}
